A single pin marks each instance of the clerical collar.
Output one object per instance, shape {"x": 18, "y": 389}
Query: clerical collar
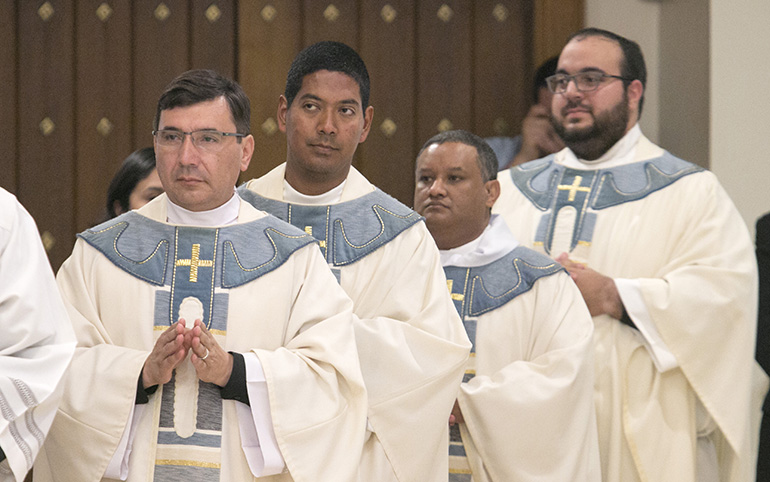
{"x": 333, "y": 196}
{"x": 224, "y": 215}
{"x": 495, "y": 242}
{"x": 621, "y": 153}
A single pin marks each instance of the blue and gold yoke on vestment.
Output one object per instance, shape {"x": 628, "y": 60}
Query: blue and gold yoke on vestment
{"x": 347, "y": 231}
{"x": 551, "y": 187}
{"x": 479, "y": 290}
{"x": 204, "y": 263}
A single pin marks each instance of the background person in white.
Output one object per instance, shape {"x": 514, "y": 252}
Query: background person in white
{"x": 36, "y": 344}
{"x": 286, "y": 400}
{"x": 665, "y": 264}
{"x": 410, "y": 340}
{"x": 525, "y": 410}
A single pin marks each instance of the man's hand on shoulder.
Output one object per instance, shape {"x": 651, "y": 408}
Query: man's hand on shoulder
{"x": 599, "y": 291}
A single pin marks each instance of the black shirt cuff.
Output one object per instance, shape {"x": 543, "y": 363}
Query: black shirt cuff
{"x": 236, "y": 385}
{"x": 143, "y": 394}
{"x": 626, "y": 320}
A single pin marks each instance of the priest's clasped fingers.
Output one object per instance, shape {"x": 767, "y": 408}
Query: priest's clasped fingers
{"x": 212, "y": 363}
{"x": 167, "y": 354}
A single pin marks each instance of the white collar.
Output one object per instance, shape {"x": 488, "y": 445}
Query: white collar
{"x": 224, "y": 215}
{"x": 333, "y": 196}
{"x": 619, "y": 154}
{"x": 495, "y": 242}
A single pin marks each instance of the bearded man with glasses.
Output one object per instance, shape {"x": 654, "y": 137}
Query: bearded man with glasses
{"x": 214, "y": 342}
{"x": 665, "y": 265}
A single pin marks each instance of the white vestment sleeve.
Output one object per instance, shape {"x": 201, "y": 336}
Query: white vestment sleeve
{"x": 631, "y": 295}
{"x": 257, "y": 436}
{"x": 36, "y": 340}
{"x": 118, "y": 466}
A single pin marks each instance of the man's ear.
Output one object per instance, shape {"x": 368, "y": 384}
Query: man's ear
{"x": 634, "y": 91}
{"x": 368, "y": 116}
{"x": 283, "y": 108}
{"x": 493, "y": 191}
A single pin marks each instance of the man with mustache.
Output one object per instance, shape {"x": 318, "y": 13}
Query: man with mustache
{"x": 410, "y": 340}
{"x": 531, "y": 373}
{"x": 213, "y": 342}
{"x": 665, "y": 265}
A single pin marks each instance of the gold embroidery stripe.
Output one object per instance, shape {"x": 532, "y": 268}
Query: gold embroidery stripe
{"x": 584, "y": 243}
{"x": 187, "y": 463}
{"x": 458, "y": 296}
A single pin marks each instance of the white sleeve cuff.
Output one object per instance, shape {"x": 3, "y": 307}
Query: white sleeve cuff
{"x": 631, "y": 295}
{"x": 255, "y": 422}
{"x": 118, "y": 466}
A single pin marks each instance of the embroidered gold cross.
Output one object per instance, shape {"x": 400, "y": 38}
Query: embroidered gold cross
{"x": 194, "y": 262}
{"x": 454, "y": 296}
{"x": 309, "y": 230}
{"x": 574, "y": 188}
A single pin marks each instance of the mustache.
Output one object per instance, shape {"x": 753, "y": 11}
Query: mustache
{"x": 327, "y": 141}
{"x": 573, "y": 104}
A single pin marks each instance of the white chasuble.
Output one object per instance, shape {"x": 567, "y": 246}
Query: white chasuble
{"x": 680, "y": 254}
{"x": 527, "y": 396}
{"x": 36, "y": 341}
{"x": 411, "y": 343}
{"x": 262, "y": 288}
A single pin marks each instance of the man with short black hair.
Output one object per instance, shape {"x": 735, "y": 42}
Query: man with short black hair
{"x": 410, "y": 340}
{"x": 665, "y": 264}
{"x": 531, "y": 373}
{"x": 214, "y": 341}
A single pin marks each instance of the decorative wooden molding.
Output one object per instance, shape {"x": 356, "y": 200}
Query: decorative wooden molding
{"x": 213, "y": 13}
{"x": 388, "y": 13}
{"x": 445, "y": 13}
{"x": 388, "y": 127}
{"x": 331, "y": 13}
{"x": 103, "y": 12}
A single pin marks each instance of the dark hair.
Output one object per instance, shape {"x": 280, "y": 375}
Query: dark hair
{"x": 632, "y": 66}
{"x": 195, "y": 86}
{"x": 137, "y": 166}
{"x": 331, "y": 56}
{"x": 485, "y": 156}
{"x": 546, "y": 69}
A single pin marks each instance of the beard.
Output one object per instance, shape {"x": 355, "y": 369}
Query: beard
{"x": 591, "y": 142}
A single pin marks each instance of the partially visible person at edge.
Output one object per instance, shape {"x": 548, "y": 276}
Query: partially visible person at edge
{"x": 135, "y": 184}
{"x": 214, "y": 343}
{"x": 411, "y": 342}
{"x": 538, "y": 138}
{"x": 666, "y": 267}
{"x": 36, "y": 344}
{"x": 763, "y": 338}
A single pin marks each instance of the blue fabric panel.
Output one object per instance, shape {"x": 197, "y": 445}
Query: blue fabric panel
{"x": 258, "y": 248}
{"x": 635, "y": 181}
{"x": 497, "y": 283}
{"x": 349, "y": 230}
{"x": 195, "y": 246}
{"x": 537, "y": 180}
{"x": 587, "y": 231}
{"x": 132, "y": 249}
{"x": 163, "y": 308}
{"x": 313, "y": 220}
{"x": 221, "y": 304}
{"x": 459, "y": 279}
{"x": 183, "y": 473}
